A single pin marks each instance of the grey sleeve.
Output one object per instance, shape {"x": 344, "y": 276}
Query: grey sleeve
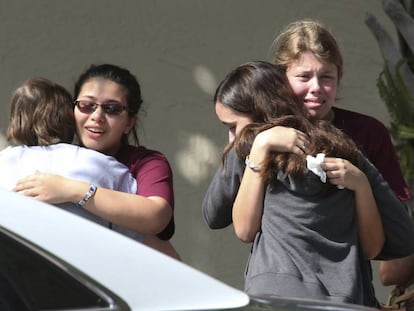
{"x": 218, "y": 201}
{"x": 398, "y": 226}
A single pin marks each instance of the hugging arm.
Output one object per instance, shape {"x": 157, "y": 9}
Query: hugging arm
{"x": 397, "y": 225}
{"x": 148, "y": 215}
{"x": 370, "y": 230}
{"x": 390, "y": 272}
{"x": 218, "y": 200}
{"x": 248, "y": 205}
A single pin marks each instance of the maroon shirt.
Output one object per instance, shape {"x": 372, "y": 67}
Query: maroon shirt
{"x": 374, "y": 140}
{"x": 153, "y": 174}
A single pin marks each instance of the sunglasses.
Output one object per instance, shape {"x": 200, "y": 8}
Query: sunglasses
{"x": 110, "y": 108}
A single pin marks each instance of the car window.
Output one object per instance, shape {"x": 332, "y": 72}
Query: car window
{"x": 31, "y": 279}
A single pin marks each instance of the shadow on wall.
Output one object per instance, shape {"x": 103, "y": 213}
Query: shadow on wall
{"x": 198, "y": 158}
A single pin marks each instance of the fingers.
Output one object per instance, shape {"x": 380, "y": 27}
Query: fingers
{"x": 302, "y": 146}
{"x": 301, "y": 143}
{"x": 341, "y": 172}
{"x": 22, "y": 186}
{"x": 25, "y": 184}
{"x": 334, "y": 163}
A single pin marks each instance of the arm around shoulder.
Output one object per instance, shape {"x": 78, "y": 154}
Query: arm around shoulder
{"x": 218, "y": 201}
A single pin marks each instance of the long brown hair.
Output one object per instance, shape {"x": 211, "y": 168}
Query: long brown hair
{"x": 259, "y": 90}
{"x": 323, "y": 138}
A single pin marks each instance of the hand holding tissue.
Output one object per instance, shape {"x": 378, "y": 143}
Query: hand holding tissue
{"x": 314, "y": 165}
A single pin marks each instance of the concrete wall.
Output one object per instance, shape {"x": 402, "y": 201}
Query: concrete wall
{"x": 180, "y": 50}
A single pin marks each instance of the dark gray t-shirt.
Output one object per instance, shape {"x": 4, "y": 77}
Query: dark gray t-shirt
{"x": 308, "y": 243}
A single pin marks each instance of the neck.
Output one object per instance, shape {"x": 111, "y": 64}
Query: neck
{"x": 330, "y": 116}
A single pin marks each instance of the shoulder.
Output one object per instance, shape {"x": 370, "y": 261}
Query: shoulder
{"x": 138, "y": 158}
{"x": 344, "y": 118}
{"x": 363, "y": 129}
{"x": 80, "y": 153}
{"x": 130, "y": 154}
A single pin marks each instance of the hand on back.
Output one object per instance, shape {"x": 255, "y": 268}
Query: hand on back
{"x": 281, "y": 139}
{"x": 45, "y": 187}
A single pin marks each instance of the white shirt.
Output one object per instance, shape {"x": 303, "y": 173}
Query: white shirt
{"x": 71, "y": 161}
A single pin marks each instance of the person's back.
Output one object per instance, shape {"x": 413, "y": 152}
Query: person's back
{"x": 17, "y": 162}
{"x": 307, "y": 246}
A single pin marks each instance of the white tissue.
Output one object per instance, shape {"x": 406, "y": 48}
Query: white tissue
{"x": 314, "y": 165}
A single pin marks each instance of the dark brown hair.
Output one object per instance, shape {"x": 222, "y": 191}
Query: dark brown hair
{"x": 124, "y": 78}
{"x": 259, "y": 90}
{"x": 41, "y": 114}
{"x": 323, "y": 138}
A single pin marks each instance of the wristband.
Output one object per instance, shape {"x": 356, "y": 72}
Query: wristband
{"x": 251, "y": 165}
{"x": 88, "y": 196}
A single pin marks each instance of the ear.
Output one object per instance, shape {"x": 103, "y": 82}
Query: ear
{"x": 130, "y": 124}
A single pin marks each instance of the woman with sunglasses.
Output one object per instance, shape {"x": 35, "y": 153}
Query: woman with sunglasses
{"x": 41, "y": 129}
{"x": 107, "y": 101}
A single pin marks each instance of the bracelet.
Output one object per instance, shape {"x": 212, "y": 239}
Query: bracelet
{"x": 88, "y": 196}
{"x": 251, "y": 165}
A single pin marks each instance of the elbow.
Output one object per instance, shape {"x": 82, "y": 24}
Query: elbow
{"x": 385, "y": 278}
{"x": 160, "y": 220}
{"x": 374, "y": 249}
{"x": 386, "y": 269}
{"x": 216, "y": 222}
{"x": 372, "y": 253}
{"x": 245, "y": 235}
{"x": 211, "y": 223}
{"x": 216, "y": 218}
{"x": 398, "y": 271}
{"x": 245, "y": 230}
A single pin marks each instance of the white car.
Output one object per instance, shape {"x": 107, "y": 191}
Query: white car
{"x": 53, "y": 260}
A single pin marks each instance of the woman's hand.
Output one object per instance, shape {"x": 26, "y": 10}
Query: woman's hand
{"x": 281, "y": 139}
{"x": 343, "y": 173}
{"x": 45, "y": 187}
{"x": 370, "y": 230}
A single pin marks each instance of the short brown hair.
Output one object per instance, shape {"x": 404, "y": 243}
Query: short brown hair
{"x": 306, "y": 36}
{"x": 41, "y": 114}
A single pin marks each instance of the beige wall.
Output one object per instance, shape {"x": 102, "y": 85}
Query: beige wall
{"x": 180, "y": 50}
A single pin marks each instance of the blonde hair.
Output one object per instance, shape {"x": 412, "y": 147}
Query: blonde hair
{"x": 306, "y": 36}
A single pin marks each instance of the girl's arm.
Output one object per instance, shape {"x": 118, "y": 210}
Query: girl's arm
{"x": 248, "y": 205}
{"x": 147, "y": 215}
{"x": 370, "y": 230}
{"x": 398, "y": 271}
